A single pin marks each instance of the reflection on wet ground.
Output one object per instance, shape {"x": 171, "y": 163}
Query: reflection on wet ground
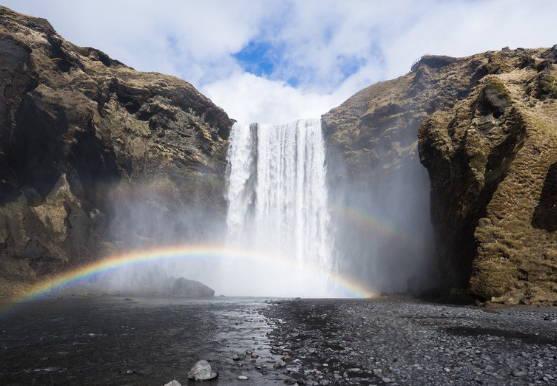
{"x": 123, "y": 341}
{"x": 119, "y": 341}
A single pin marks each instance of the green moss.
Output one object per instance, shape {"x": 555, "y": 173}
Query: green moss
{"x": 494, "y": 277}
{"x": 496, "y": 84}
{"x": 547, "y": 86}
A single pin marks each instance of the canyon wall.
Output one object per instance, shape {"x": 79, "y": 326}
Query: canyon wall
{"x": 444, "y": 178}
{"x": 83, "y": 139}
{"x": 492, "y": 161}
{"x": 484, "y": 127}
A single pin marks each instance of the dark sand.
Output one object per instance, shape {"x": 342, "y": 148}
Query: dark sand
{"x": 119, "y": 341}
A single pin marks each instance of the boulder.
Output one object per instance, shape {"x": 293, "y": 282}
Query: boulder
{"x": 190, "y": 289}
{"x": 202, "y": 371}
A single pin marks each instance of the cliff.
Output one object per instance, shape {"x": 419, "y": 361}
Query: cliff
{"x": 485, "y": 129}
{"x": 445, "y": 177}
{"x": 492, "y": 161}
{"x": 83, "y": 138}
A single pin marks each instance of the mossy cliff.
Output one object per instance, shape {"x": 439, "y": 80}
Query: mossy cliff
{"x": 81, "y": 133}
{"x": 485, "y": 128}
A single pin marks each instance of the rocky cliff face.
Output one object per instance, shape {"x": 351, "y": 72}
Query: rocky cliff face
{"x": 95, "y": 155}
{"x": 83, "y": 137}
{"x": 492, "y": 161}
{"x": 486, "y": 129}
{"x": 373, "y": 136}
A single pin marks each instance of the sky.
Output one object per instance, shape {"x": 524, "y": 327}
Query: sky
{"x": 276, "y": 61}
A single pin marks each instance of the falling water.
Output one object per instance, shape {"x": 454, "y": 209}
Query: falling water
{"x": 277, "y": 193}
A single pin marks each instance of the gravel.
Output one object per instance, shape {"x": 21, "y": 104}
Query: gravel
{"x": 394, "y": 341}
{"x": 402, "y": 341}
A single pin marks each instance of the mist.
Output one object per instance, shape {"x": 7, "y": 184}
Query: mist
{"x": 381, "y": 219}
{"x": 155, "y": 214}
{"x": 289, "y": 222}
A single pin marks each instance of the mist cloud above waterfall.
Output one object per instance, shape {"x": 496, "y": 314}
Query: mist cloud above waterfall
{"x": 279, "y": 60}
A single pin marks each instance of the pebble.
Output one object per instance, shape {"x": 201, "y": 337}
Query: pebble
{"x": 279, "y": 364}
{"x": 468, "y": 343}
{"x": 518, "y": 373}
{"x": 243, "y": 377}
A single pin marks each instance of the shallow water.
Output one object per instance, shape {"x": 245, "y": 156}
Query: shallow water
{"x": 119, "y": 341}
{"x": 129, "y": 341}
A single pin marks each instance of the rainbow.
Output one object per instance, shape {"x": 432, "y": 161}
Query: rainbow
{"x": 83, "y": 272}
{"x": 368, "y": 222}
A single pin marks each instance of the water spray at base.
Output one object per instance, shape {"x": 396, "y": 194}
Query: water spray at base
{"x": 278, "y": 240}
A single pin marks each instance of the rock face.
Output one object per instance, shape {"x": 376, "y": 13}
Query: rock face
{"x": 372, "y": 143}
{"x": 487, "y": 128}
{"x": 492, "y": 161}
{"x": 82, "y": 138}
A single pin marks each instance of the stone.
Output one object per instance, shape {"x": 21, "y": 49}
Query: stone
{"x": 279, "y": 364}
{"x": 202, "y": 371}
{"x": 183, "y": 287}
{"x": 173, "y": 383}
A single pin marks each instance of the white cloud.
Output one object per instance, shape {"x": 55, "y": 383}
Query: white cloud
{"x": 460, "y": 28}
{"x": 191, "y": 39}
{"x": 250, "y": 98}
{"x": 317, "y": 39}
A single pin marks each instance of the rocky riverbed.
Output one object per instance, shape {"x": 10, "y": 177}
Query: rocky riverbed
{"x": 399, "y": 341}
{"x": 139, "y": 341}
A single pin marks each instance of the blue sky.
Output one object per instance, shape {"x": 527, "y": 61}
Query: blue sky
{"x": 275, "y": 61}
{"x": 260, "y": 57}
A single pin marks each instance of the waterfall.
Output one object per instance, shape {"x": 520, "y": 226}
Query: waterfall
{"x": 277, "y": 192}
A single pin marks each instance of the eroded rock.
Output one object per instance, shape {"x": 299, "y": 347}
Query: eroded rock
{"x": 83, "y": 138}
{"x": 483, "y": 126}
{"x": 490, "y": 161}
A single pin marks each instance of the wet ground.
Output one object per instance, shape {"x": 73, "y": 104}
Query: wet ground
{"x": 122, "y": 341}
{"x": 405, "y": 342}
{"x": 133, "y": 341}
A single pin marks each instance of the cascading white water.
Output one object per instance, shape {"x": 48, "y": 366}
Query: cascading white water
{"x": 277, "y": 195}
